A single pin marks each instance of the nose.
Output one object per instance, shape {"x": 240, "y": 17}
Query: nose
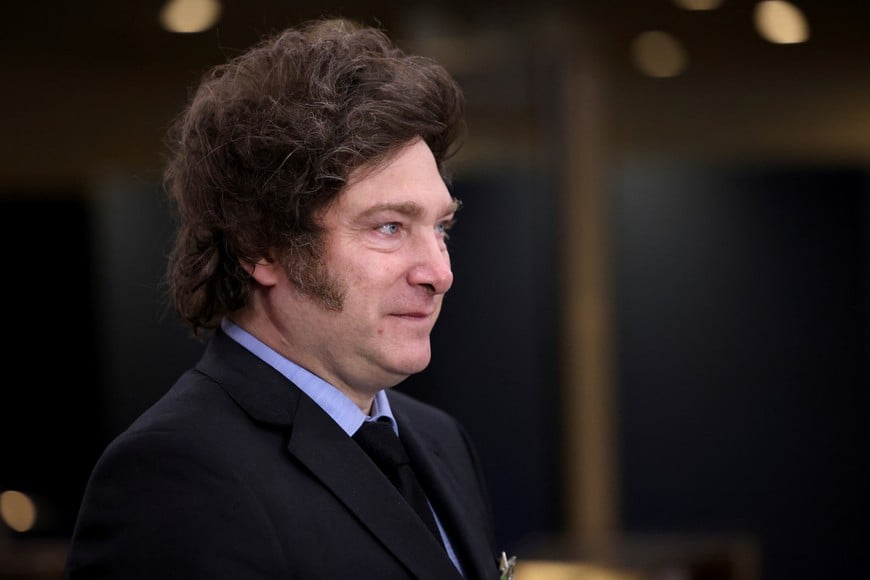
{"x": 432, "y": 265}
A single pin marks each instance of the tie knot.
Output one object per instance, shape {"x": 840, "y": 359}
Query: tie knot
{"x": 380, "y": 442}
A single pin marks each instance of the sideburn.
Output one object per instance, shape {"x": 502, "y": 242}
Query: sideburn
{"x": 309, "y": 273}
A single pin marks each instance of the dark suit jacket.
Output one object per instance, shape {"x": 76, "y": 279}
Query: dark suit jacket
{"x": 236, "y": 474}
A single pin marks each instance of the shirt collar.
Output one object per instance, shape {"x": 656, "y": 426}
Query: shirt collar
{"x": 336, "y": 404}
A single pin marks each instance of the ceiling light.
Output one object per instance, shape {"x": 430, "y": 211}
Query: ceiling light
{"x": 781, "y": 22}
{"x": 658, "y": 54}
{"x": 189, "y": 15}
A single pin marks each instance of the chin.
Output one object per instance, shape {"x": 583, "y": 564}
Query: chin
{"x": 413, "y": 363}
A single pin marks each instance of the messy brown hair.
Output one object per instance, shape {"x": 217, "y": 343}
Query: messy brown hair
{"x": 270, "y": 138}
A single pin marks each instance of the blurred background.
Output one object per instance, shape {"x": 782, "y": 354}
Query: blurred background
{"x": 659, "y": 331}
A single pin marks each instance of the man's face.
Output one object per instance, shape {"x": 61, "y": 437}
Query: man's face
{"x": 385, "y": 254}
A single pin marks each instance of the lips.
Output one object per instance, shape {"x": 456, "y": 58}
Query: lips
{"x": 417, "y": 310}
{"x": 414, "y": 315}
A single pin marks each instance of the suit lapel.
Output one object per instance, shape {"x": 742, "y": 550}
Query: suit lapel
{"x": 345, "y": 469}
{"x": 451, "y": 502}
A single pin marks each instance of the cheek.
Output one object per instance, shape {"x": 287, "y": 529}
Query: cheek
{"x": 374, "y": 274}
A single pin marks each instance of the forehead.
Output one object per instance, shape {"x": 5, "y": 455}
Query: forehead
{"x": 409, "y": 182}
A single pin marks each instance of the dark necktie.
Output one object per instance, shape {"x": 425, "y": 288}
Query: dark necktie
{"x": 380, "y": 442}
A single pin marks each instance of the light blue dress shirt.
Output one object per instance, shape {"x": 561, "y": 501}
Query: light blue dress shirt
{"x": 336, "y": 404}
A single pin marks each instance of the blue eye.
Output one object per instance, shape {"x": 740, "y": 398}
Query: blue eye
{"x": 443, "y": 228}
{"x": 390, "y": 228}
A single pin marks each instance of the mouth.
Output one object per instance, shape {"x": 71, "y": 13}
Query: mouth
{"x": 417, "y": 316}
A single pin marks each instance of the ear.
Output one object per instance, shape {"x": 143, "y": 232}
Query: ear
{"x": 265, "y": 271}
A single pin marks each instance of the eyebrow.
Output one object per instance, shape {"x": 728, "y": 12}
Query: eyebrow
{"x": 410, "y": 208}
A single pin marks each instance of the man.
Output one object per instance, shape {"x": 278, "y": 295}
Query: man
{"x": 311, "y": 249}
